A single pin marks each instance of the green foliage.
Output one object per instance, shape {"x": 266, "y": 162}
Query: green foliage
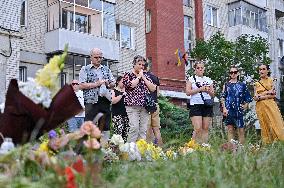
{"x": 175, "y": 121}
{"x": 247, "y": 52}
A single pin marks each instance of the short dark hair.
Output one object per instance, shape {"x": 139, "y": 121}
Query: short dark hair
{"x": 137, "y": 58}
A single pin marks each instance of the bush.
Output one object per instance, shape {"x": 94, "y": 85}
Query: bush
{"x": 175, "y": 121}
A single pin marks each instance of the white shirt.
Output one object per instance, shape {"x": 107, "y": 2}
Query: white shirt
{"x": 80, "y": 97}
{"x": 201, "y": 81}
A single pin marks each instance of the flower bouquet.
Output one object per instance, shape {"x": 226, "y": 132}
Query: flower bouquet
{"x": 35, "y": 107}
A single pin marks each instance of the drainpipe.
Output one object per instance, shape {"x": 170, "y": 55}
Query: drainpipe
{"x": 199, "y": 33}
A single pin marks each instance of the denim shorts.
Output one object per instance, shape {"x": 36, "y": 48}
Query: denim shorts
{"x": 200, "y": 110}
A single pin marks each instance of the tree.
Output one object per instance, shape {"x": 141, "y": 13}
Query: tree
{"x": 247, "y": 52}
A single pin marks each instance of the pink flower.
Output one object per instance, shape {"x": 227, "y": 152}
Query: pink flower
{"x": 96, "y": 133}
{"x": 86, "y": 127}
{"x": 92, "y": 143}
{"x": 89, "y": 128}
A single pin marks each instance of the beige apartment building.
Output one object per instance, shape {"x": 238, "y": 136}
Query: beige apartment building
{"x": 115, "y": 26}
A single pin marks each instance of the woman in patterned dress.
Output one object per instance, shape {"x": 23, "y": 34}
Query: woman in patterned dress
{"x": 269, "y": 115}
{"x": 137, "y": 86}
{"x": 120, "y": 120}
{"x": 235, "y": 99}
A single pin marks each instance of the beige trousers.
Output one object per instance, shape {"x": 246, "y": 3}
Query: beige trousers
{"x": 138, "y": 122}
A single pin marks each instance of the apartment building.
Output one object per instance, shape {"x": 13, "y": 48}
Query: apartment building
{"x": 10, "y": 39}
{"x": 177, "y": 24}
{"x": 115, "y": 26}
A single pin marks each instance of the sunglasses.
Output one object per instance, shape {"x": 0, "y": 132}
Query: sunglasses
{"x": 200, "y": 68}
{"x": 75, "y": 84}
{"x": 234, "y": 72}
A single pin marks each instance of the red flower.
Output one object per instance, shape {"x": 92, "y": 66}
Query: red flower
{"x": 79, "y": 166}
{"x": 70, "y": 177}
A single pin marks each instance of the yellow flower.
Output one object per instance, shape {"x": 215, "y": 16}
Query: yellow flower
{"x": 142, "y": 146}
{"x": 43, "y": 147}
{"x": 192, "y": 144}
{"x": 170, "y": 154}
{"x": 48, "y": 75}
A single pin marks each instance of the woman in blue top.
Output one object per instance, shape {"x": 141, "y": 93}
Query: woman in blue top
{"x": 235, "y": 99}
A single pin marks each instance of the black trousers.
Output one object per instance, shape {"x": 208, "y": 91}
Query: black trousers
{"x": 103, "y": 106}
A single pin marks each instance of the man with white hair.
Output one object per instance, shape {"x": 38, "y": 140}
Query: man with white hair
{"x": 93, "y": 78}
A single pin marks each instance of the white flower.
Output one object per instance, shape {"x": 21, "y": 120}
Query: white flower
{"x": 117, "y": 140}
{"x": 206, "y": 145}
{"x": 38, "y": 94}
{"x": 132, "y": 151}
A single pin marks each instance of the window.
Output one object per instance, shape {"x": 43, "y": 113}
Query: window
{"x": 81, "y": 21}
{"x": 187, "y": 32}
{"x": 148, "y": 21}
{"x": 63, "y": 78}
{"x": 187, "y": 3}
{"x": 212, "y": 16}
{"x": 235, "y": 17}
{"x": 23, "y": 18}
{"x": 187, "y": 28}
{"x": 23, "y": 73}
{"x": 108, "y": 20}
{"x": 126, "y": 36}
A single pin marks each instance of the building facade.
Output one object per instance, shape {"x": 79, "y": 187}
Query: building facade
{"x": 10, "y": 40}
{"x": 164, "y": 35}
{"x": 115, "y": 26}
{"x": 177, "y": 24}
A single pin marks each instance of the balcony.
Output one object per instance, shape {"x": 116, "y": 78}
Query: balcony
{"x": 238, "y": 30}
{"x": 80, "y": 43}
{"x": 83, "y": 24}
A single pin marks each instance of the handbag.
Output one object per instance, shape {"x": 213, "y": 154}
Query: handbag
{"x": 149, "y": 103}
{"x": 207, "y": 102}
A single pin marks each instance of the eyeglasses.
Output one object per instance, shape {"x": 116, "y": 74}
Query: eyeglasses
{"x": 234, "y": 72}
{"x": 99, "y": 57}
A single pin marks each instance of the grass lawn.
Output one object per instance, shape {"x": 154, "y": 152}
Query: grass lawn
{"x": 262, "y": 168}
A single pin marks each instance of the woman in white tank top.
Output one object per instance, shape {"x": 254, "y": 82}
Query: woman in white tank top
{"x": 200, "y": 88}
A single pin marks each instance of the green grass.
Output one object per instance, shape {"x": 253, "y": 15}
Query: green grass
{"x": 203, "y": 169}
